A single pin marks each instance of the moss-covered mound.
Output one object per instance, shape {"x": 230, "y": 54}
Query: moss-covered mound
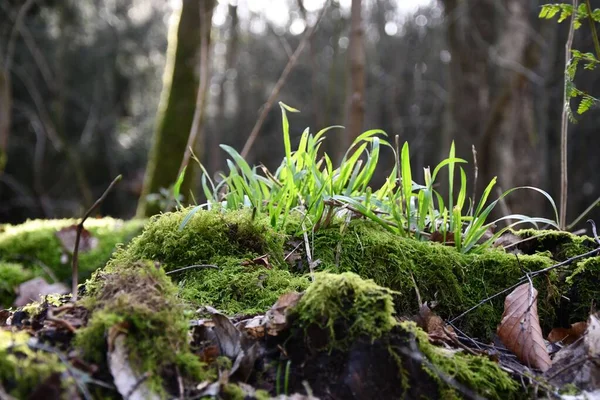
{"x": 140, "y": 301}
{"x": 346, "y": 307}
{"x": 345, "y": 343}
{"x": 239, "y": 280}
{"x": 33, "y": 249}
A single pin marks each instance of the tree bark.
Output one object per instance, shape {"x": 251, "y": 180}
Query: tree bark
{"x": 176, "y": 107}
{"x": 355, "y": 97}
{"x": 492, "y": 90}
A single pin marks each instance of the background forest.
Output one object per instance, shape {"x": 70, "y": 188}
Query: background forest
{"x": 86, "y": 85}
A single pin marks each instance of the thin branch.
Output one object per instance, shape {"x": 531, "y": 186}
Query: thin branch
{"x": 191, "y": 267}
{"x": 78, "y": 237}
{"x": 526, "y": 278}
{"x": 282, "y": 79}
{"x": 10, "y": 48}
{"x": 564, "y": 128}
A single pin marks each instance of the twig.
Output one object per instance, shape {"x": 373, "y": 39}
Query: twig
{"x": 78, "y": 237}
{"x": 282, "y": 79}
{"x": 10, "y": 49}
{"x": 564, "y": 128}
{"x": 475, "y": 173}
{"x": 191, "y": 267}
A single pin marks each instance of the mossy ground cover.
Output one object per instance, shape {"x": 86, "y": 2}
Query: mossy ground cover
{"x": 365, "y": 279}
{"x": 32, "y": 249}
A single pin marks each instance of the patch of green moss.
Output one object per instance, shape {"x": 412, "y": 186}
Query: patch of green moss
{"x": 477, "y": 373}
{"x": 561, "y": 244}
{"x": 23, "y": 368}
{"x": 583, "y": 293}
{"x": 34, "y": 242}
{"x": 142, "y": 301}
{"x": 455, "y": 280}
{"x": 238, "y": 289}
{"x": 11, "y": 276}
{"x": 346, "y": 307}
{"x": 206, "y": 238}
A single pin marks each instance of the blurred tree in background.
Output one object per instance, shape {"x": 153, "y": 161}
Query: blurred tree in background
{"x": 84, "y": 80}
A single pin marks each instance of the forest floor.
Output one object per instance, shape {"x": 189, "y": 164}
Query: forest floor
{"x": 227, "y": 307}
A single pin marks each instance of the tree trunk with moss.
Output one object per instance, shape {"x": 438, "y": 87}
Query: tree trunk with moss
{"x": 176, "y": 108}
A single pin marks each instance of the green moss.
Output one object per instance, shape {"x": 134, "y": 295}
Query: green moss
{"x": 478, "y": 373}
{"x": 346, "y": 307}
{"x": 207, "y": 238}
{"x": 561, "y": 244}
{"x": 232, "y": 391}
{"x": 237, "y": 289}
{"x": 142, "y": 301}
{"x": 11, "y": 276}
{"x": 34, "y": 243}
{"x": 455, "y": 280}
{"x": 583, "y": 289}
{"x": 23, "y": 368}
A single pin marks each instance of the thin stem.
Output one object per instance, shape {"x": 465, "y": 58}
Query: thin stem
{"x": 282, "y": 79}
{"x": 564, "y": 128}
{"x": 75, "y": 265}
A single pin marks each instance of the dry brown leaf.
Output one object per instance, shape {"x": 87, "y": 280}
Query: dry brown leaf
{"x": 520, "y": 328}
{"x": 434, "y": 325}
{"x": 567, "y": 335}
{"x": 277, "y": 314}
{"x": 68, "y": 235}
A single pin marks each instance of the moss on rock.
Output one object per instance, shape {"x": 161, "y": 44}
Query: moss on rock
{"x": 346, "y": 307}
{"x": 35, "y": 243}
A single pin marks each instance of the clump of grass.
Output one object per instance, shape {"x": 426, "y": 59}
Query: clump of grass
{"x": 307, "y": 181}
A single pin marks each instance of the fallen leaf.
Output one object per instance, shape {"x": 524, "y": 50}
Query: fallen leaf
{"x": 129, "y": 383}
{"x": 34, "y": 288}
{"x": 567, "y": 335}
{"x": 277, "y": 314}
{"x": 438, "y": 237}
{"x": 434, "y": 325}
{"x": 592, "y": 337}
{"x": 261, "y": 260}
{"x": 68, "y": 235}
{"x": 520, "y": 329}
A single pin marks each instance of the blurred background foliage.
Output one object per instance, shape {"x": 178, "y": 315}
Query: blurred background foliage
{"x": 85, "y": 80}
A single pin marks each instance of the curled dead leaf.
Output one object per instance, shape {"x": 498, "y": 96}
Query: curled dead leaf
{"x": 520, "y": 329}
{"x": 567, "y": 335}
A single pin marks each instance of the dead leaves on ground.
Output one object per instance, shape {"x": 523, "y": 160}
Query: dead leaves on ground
{"x": 520, "y": 329}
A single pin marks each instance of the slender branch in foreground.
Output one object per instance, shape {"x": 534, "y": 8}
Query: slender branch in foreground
{"x": 564, "y": 128}
{"x": 279, "y": 85}
{"x": 526, "y": 278}
{"x": 191, "y": 267}
{"x": 75, "y": 264}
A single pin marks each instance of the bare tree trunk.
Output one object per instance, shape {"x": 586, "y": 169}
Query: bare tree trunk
{"x": 355, "y": 97}
{"x": 230, "y": 60}
{"x": 176, "y": 108}
{"x": 491, "y": 44}
{"x": 5, "y": 111}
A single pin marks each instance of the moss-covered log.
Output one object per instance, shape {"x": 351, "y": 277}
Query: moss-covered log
{"x": 455, "y": 281}
{"x": 33, "y": 249}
